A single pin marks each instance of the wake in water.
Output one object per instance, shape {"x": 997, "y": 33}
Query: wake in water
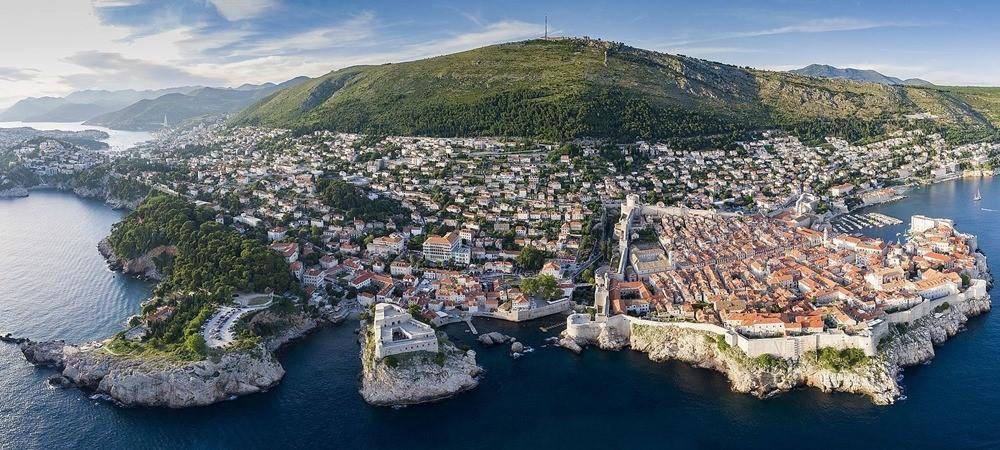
{"x": 987, "y": 209}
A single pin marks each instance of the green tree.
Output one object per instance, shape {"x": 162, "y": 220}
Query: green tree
{"x": 542, "y": 286}
{"x": 530, "y": 258}
{"x": 196, "y": 343}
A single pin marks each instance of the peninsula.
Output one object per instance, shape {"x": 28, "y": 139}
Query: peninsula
{"x": 774, "y": 305}
{"x": 204, "y": 336}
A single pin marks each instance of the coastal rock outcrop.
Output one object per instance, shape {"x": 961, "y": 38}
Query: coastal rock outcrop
{"x": 164, "y": 382}
{"x": 14, "y": 192}
{"x": 763, "y": 377}
{"x": 104, "y": 194}
{"x": 493, "y": 338}
{"x": 417, "y": 377}
{"x": 140, "y": 381}
{"x": 293, "y": 327}
{"x": 143, "y": 266}
{"x": 570, "y": 344}
{"x": 875, "y": 377}
{"x": 610, "y": 339}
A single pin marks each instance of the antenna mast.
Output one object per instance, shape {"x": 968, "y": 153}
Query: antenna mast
{"x": 546, "y": 27}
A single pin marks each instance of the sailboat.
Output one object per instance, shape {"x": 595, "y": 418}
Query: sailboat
{"x": 978, "y": 197}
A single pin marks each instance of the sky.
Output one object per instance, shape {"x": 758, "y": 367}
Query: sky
{"x": 54, "y": 47}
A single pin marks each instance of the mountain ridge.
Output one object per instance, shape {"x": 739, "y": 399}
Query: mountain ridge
{"x": 174, "y": 108}
{"x": 79, "y": 106}
{"x": 570, "y": 87}
{"x": 131, "y": 109}
{"x": 849, "y": 73}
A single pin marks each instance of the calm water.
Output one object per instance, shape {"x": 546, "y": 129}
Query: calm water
{"x": 548, "y": 399}
{"x": 117, "y": 140}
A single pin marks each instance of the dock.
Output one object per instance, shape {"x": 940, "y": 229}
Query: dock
{"x": 851, "y": 222}
{"x": 472, "y": 328}
{"x": 546, "y": 328}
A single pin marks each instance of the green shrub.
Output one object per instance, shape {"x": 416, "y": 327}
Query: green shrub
{"x": 769, "y": 361}
{"x": 837, "y": 360}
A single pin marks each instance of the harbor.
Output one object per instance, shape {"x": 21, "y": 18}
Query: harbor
{"x": 853, "y": 222}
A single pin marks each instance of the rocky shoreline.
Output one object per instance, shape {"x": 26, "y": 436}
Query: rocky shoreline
{"x": 143, "y": 266}
{"x": 14, "y": 192}
{"x": 101, "y": 194}
{"x": 415, "y": 377}
{"x": 876, "y": 378}
{"x": 139, "y": 381}
{"x": 105, "y": 196}
{"x": 161, "y": 382}
{"x": 154, "y": 381}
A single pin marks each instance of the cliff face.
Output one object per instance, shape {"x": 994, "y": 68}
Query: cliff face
{"x": 104, "y": 195}
{"x": 141, "y": 381}
{"x": 101, "y": 193}
{"x": 14, "y": 192}
{"x": 914, "y": 344}
{"x": 762, "y": 377}
{"x": 416, "y": 377}
{"x": 153, "y": 382}
{"x": 143, "y": 266}
{"x": 292, "y": 327}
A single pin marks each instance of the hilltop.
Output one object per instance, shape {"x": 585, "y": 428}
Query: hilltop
{"x": 870, "y": 76}
{"x": 568, "y": 88}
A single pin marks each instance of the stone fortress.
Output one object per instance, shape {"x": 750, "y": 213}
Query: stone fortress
{"x": 398, "y": 332}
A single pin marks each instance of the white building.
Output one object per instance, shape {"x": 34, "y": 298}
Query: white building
{"x": 447, "y": 248}
{"x": 396, "y": 332}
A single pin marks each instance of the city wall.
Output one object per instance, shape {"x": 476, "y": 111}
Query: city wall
{"x": 530, "y": 314}
{"x": 579, "y": 326}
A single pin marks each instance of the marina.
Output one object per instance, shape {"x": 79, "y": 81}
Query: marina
{"x": 851, "y": 222}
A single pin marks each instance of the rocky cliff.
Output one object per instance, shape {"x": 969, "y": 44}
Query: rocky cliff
{"x": 762, "y": 377}
{"x": 875, "y": 376}
{"x": 14, "y": 192}
{"x": 418, "y": 377}
{"x": 153, "y": 381}
{"x": 137, "y": 381}
{"x": 104, "y": 194}
{"x": 143, "y": 266}
{"x": 291, "y": 327}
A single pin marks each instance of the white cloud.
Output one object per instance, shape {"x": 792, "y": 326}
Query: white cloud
{"x": 234, "y": 10}
{"x": 106, "y": 70}
{"x": 820, "y": 26}
{"x": 705, "y": 51}
{"x": 823, "y": 25}
{"x": 503, "y": 31}
{"x": 352, "y": 31}
{"x": 115, "y": 3}
{"x": 17, "y": 73}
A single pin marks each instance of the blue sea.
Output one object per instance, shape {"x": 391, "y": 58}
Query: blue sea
{"x": 53, "y": 284}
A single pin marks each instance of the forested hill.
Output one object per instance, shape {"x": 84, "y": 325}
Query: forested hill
{"x": 568, "y": 88}
{"x": 210, "y": 256}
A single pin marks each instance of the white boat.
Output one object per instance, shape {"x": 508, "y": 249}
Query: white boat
{"x": 978, "y": 197}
